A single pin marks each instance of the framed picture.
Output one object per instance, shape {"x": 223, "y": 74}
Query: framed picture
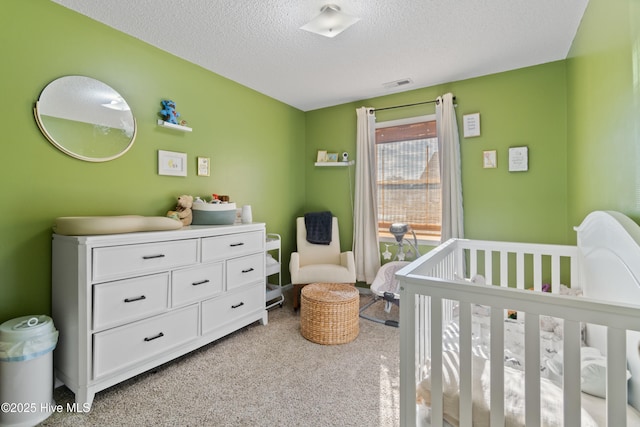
{"x": 204, "y": 166}
{"x": 518, "y": 159}
{"x": 322, "y": 156}
{"x": 171, "y": 163}
{"x": 332, "y": 157}
{"x": 489, "y": 159}
{"x": 471, "y": 125}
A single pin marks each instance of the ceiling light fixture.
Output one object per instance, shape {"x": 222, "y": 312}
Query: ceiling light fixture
{"x": 397, "y": 83}
{"x": 330, "y": 22}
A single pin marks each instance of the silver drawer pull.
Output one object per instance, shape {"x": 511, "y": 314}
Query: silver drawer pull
{"x": 152, "y": 256}
{"x": 202, "y": 282}
{"x": 160, "y": 335}
{"x": 237, "y": 305}
{"x": 140, "y": 298}
{"x": 248, "y": 270}
{"x": 236, "y": 244}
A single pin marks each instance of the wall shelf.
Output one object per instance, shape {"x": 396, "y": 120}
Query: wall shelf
{"x": 174, "y": 126}
{"x": 335, "y": 164}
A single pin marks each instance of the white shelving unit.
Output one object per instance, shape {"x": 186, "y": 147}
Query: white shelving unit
{"x": 174, "y": 126}
{"x": 274, "y": 263}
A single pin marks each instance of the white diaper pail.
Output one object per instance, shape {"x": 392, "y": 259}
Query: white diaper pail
{"x": 26, "y": 370}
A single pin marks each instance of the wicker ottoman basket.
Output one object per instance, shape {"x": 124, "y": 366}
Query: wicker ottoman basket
{"x": 329, "y": 313}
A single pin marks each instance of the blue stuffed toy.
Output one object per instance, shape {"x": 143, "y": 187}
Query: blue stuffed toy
{"x": 168, "y": 112}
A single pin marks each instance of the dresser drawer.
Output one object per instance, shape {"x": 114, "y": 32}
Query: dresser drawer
{"x": 116, "y": 303}
{"x": 244, "y": 270}
{"x": 128, "y": 345}
{"x": 120, "y": 261}
{"x": 232, "y": 245}
{"x": 225, "y": 309}
{"x": 196, "y": 283}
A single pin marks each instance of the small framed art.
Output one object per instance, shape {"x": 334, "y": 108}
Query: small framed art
{"x": 489, "y": 159}
{"x": 471, "y": 125}
{"x": 322, "y": 156}
{"x": 204, "y": 166}
{"x": 172, "y": 163}
{"x": 518, "y": 159}
{"x": 332, "y": 157}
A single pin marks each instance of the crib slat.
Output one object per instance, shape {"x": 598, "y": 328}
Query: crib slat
{"x": 616, "y": 377}
{"x": 497, "y": 367}
{"x": 488, "y": 266}
{"x": 458, "y": 261}
{"x": 520, "y": 270}
{"x": 532, "y": 369}
{"x": 504, "y": 268}
{"x": 466, "y": 414}
{"x": 473, "y": 267}
{"x": 436, "y": 362}
{"x": 571, "y": 374}
{"x": 422, "y": 326}
{"x": 555, "y": 273}
{"x": 537, "y": 272}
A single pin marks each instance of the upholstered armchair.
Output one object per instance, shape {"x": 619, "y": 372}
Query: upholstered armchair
{"x": 313, "y": 263}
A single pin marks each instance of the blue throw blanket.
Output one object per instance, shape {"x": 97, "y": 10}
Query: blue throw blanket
{"x": 318, "y": 226}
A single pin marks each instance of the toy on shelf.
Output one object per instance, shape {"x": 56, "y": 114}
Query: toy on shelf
{"x": 169, "y": 113}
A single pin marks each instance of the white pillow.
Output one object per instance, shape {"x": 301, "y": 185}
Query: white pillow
{"x": 593, "y": 373}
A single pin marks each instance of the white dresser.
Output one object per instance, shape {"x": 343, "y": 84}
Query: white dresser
{"x": 125, "y": 303}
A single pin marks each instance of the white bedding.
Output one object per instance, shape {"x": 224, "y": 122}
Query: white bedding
{"x": 551, "y": 398}
{"x": 551, "y": 334}
{"x": 514, "y": 350}
{"x": 593, "y": 375}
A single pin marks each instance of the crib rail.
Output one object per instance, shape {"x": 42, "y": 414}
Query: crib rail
{"x": 506, "y": 263}
{"x": 432, "y": 285}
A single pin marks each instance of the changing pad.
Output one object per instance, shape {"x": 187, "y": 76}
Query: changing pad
{"x": 90, "y": 225}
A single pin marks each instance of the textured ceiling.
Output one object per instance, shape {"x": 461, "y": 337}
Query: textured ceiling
{"x": 258, "y": 43}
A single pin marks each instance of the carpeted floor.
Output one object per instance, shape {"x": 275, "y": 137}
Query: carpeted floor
{"x": 261, "y": 376}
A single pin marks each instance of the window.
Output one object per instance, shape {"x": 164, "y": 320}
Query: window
{"x": 408, "y": 175}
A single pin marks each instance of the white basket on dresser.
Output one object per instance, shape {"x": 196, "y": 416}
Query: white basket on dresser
{"x": 125, "y": 303}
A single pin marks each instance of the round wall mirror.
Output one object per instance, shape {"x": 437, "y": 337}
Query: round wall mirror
{"x": 85, "y": 118}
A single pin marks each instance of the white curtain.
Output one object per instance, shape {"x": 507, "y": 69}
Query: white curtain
{"x": 366, "y": 248}
{"x": 450, "y": 171}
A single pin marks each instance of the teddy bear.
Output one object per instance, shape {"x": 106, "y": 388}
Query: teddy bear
{"x": 182, "y": 212}
{"x": 168, "y": 112}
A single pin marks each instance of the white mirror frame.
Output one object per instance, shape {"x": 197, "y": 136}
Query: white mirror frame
{"x": 88, "y": 101}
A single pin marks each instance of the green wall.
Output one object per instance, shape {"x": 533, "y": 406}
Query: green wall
{"x": 603, "y": 138}
{"x": 255, "y": 143}
{"x": 517, "y": 108}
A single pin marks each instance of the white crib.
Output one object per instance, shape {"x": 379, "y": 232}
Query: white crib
{"x": 436, "y": 293}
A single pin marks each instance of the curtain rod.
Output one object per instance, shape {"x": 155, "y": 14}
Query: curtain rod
{"x": 408, "y": 105}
